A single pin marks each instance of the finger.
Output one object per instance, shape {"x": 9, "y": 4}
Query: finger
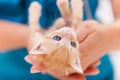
{"x": 31, "y": 59}
{"x": 96, "y": 63}
{"x": 61, "y": 75}
{"x": 83, "y": 31}
{"x": 37, "y": 66}
{"x": 56, "y": 73}
{"x": 64, "y": 8}
{"x": 74, "y": 77}
{"x": 77, "y": 11}
{"x": 91, "y": 71}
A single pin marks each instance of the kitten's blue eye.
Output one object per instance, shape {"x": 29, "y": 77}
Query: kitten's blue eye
{"x": 73, "y": 44}
{"x": 57, "y": 38}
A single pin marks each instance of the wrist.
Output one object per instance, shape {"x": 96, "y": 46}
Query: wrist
{"x": 25, "y": 37}
{"x": 112, "y": 32}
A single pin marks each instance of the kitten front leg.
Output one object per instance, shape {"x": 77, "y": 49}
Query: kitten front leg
{"x": 34, "y": 15}
{"x": 74, "y": 16}
{"x": 36, "y": 33}
{"x": 77, "y": 12}
{"x": 64, "y": 8}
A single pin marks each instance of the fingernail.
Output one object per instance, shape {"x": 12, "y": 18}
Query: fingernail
{"x": 35, "y": 71}
{"x": 44, "y": 72}
{"x": 92, "y": 74}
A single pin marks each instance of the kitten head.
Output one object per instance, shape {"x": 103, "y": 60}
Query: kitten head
{"x": 63, "y": 37}
{"x": 60, "y": 48}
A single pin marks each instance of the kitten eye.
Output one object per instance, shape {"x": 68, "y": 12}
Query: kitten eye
{"x": 73, "y": 44}
{"x": 57, "y": 38}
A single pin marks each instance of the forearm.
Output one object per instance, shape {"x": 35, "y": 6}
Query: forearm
{"x": 113, "y": 31}
{"x": 116, "y": 10}
{"x": 13, "y": 35}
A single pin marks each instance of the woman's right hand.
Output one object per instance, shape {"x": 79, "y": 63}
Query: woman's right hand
{"x": 38, "y": 67}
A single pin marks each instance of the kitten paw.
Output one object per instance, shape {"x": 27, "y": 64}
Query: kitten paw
{"x": 35, "y": 10}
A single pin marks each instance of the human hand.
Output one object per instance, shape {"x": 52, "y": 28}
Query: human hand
{"x": 74, "y": 19}
{"x": 38, "y": 67}
{"x": 94, "y": 41}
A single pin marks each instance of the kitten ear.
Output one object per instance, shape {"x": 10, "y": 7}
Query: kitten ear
{"x": 38, "y": 49}
{"x": 76, "y": 65}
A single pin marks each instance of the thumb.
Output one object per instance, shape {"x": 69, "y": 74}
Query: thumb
{"x": 83, "y": 31}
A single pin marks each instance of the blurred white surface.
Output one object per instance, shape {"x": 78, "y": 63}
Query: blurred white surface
{"x": 104, "y": 11}
{"x": 115, "y": 58}
{"x": 105, "y": 15}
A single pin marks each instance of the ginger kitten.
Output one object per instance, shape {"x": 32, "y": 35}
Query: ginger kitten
{"x": 58, "y": 49}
